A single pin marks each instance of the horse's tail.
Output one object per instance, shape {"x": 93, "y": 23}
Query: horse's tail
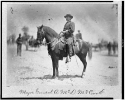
{"x": 90, "y": 51}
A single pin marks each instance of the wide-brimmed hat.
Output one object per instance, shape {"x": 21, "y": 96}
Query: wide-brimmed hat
{"x": 68, "y": 15}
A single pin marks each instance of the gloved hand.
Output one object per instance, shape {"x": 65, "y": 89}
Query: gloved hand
{"x": 63, "y": 32}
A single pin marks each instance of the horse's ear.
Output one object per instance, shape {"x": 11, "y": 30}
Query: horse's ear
{"x": 41, "y": 26}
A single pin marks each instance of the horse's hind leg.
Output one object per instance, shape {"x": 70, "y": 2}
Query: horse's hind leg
{"x": 83, "y": 59}
{"x": 85, "y": 65}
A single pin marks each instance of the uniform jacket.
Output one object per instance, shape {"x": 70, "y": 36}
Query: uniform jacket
{"x": 78, "y": 36}
{"x": 19, "y": 40}
{"x": 70, "y": 26}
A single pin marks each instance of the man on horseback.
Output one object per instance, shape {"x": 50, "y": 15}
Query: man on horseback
{"x": 68, "y": 30}
{"x": 79, "y": 35}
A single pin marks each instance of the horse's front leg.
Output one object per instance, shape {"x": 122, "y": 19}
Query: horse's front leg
{"x": 55, "y": 67}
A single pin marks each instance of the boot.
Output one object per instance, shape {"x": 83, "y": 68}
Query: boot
{"x": 68, "y": 59}
{"x": 70, "y": 50}
{"x": 69, "y": 53}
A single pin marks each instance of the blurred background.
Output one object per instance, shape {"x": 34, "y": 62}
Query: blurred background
{"x": 97, "y": 22}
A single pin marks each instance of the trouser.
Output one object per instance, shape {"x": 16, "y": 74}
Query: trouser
{"x": 109, "y": 51}
{"x": 69, "y": 50}
{"x": 26, "y": 44}
{"x": 19, "y": 49}
{"x": 69, "y": 44}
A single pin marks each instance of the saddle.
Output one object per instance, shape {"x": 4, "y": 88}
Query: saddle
{"x": 60, "y": 47}
{"x": 63, "y": 45}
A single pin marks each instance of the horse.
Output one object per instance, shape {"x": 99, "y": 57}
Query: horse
{"x": 56, "y": 49}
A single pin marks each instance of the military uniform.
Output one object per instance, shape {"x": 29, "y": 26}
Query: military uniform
{"x": 70, "y": 26}
{"x": 79, "y": 36}
{"x": 19, "y": 45}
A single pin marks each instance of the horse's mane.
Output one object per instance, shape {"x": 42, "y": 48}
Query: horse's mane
{"x": 51, "y": 32}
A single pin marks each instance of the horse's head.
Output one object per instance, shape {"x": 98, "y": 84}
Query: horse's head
{"x": 40, "y": 33}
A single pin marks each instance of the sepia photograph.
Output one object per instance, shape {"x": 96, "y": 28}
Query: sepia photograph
{"x": 61, "y": 49}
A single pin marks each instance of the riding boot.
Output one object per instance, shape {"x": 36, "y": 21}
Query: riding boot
{"x": 70, "y": 50}
{"x": 68, "y": 59}
{"x": 69, "y": 53}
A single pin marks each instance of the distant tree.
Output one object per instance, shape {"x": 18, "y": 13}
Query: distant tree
{"x": 11, "y": 39}
{"x": 25, "y": 29}
{"x": 25, "y": 36}
{"x": 13, "y": 36}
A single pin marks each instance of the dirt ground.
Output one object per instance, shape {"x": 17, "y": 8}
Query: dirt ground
{"x": 35, "y": 68}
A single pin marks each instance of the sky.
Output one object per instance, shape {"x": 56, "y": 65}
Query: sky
{"x": 95, "y": 21}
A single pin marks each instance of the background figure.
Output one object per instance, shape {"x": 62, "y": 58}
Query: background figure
{"x": 109, "y": 45}
{"x": 27, "y": 44}
{"x": 100, "y": 46}
{"x": 19, "y": 45}
{"x": 114, "y": 47}
{"x": 38, "y": 42}
{"x": 31, "y": 40}
{"x": 79, "y": 35}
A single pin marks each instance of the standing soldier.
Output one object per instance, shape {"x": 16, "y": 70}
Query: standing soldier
{"x": 68, "y": 30}
{"x": 19, "y": 45}
{"x": 26, "y": 43}
{"x": 114, "y": 47}
{"x": 109, "y": 48}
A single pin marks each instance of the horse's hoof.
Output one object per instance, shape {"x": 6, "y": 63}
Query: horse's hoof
{"x": 54, "y": 77}
{"x": 82, "y": 75}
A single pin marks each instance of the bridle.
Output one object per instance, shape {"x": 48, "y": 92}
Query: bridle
{"x": 52, "y": 40}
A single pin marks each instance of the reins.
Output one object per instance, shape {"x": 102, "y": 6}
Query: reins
{"x": 50, "y": 42}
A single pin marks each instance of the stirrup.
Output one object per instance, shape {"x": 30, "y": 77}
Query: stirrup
{"x": 68, "y": 60}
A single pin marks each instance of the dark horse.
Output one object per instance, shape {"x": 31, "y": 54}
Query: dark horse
{"x": 34, "y": 43}
{"x": 56, "y": 48}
